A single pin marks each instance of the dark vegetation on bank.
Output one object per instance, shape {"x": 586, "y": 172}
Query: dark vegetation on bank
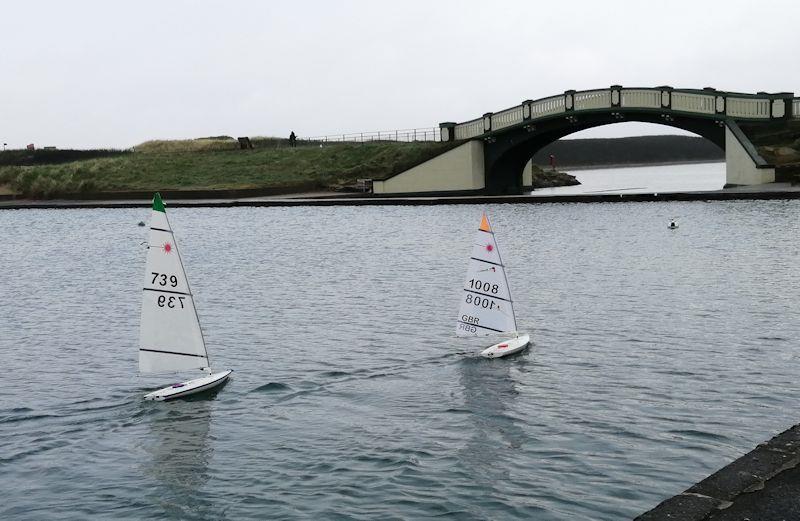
{"x": 53, "y": 156}
{"x": 629, "y": 150}
{"x": 545, "y": 178}
{"x": 779, "y": 144}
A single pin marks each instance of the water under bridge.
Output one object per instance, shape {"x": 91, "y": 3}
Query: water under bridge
{"x": 491, "y": 153}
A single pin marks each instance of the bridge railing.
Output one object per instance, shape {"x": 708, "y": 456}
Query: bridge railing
{"x": 547, "y": 107}
{"x": 741, "y": 107}
{"x": 405, "y": 135}
{"x": 469, "y": 129}
{"x": 506, "y": 118}
{"x": 693, "y": 102}
{"x": 707, "y": 102}
{"x": 641, "y": 98}
{"x": 593, "y": 99}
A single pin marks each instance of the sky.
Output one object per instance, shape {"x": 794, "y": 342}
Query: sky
{"x": 87, "y": 74}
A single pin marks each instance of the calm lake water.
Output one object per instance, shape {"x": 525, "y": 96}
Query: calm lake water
{"x": 657, "y": 357}
{"x": 644, "y": 180}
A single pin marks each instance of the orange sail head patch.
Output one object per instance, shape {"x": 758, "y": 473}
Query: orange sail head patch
{"x": 485, "y": 224}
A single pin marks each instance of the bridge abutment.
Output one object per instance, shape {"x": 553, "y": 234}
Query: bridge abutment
{"x": 743, "y": 164}
{"x": 458, "y": 170}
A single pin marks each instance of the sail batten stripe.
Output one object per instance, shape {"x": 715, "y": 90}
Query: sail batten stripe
{"x": 486, "y": 295}
{"x": 167, "y": 291}
{"x": 483, "y": 327}
{"x": 487, "y": 262}
{"x": 170, "y": 352}
{"x": 485, "y": 231}
{"x": 160, "y": 229}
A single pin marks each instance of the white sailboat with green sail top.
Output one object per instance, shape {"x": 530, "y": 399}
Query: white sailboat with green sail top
{"x": 486, "y": 305}
{"x": 170, "y": 338}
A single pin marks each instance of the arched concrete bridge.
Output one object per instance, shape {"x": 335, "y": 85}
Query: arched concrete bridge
{"x": 498, "y": 145}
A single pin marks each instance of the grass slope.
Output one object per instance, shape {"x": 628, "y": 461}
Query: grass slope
{"x": 215, "y": 164}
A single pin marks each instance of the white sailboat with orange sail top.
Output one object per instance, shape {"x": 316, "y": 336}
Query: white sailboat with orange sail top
{"x": 486, "y": 306}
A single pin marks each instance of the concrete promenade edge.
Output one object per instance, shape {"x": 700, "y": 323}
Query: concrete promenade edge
{"x": 762, "y": 485}
{"x": 759, "y": 192}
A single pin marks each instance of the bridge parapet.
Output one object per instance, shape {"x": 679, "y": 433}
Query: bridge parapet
{"x": 707, "y": 103}
{"x": 547, "y": 107}
{"x": 641, "y": 98}
{"x": 468, "y": 129}
{"x": 508, "y": 117}
{"x": 592, "y": 99}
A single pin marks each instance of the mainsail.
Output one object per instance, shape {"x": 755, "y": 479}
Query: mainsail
{"x": 170, "y": 338}
{"x": 486, "y": 306}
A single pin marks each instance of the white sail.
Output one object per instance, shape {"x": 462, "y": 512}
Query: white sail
{"x": 170, "y": 338}
{"x": 486, "y": 306}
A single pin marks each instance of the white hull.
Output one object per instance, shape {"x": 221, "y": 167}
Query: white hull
{"x": 190, "y": 387}
{"x": 507, "y": 347}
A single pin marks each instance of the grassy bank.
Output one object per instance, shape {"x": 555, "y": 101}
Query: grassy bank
{"x": 217, "y": 163}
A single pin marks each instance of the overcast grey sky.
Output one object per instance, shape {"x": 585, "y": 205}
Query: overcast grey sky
{"x": 116, "y": 73}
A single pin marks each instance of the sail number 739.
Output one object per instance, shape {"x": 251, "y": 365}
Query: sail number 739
{"x": 162, "y": 279}
{"x": 170, "y": 302}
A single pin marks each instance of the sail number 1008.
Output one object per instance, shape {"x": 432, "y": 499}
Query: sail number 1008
{"x": 486, "y": 287}
{"x": 481, "y": 302}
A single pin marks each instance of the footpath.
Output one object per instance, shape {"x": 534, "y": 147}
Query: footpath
{"x": 209, "y": 199}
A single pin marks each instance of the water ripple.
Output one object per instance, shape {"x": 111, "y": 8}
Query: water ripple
{"x": 657, "y": 357}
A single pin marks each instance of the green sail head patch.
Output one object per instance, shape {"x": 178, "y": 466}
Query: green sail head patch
{"x": 158, "y": 204}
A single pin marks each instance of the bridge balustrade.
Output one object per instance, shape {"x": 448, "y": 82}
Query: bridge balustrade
{"x": 547, "y": 107}
{"x": 593, "y": 99}
{"x": 691, "y": 102}
{"x": 469, "y": 129}
{"x": 641, "y": 98}
{"x": 748, "y": 107}
{"x": 507, "y": 117}
{"x": 706, "y": 102}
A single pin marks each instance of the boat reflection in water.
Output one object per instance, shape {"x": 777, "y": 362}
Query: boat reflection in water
{"x": 495, "y": 435}
{"x": 179, "y": 456}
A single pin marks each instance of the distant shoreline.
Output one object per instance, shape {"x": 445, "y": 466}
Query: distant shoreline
{"x": 567, "y": 168}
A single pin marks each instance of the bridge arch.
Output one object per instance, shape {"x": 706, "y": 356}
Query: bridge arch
{"x": 511, "y": 136}
{"x": 505, "y": 159}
